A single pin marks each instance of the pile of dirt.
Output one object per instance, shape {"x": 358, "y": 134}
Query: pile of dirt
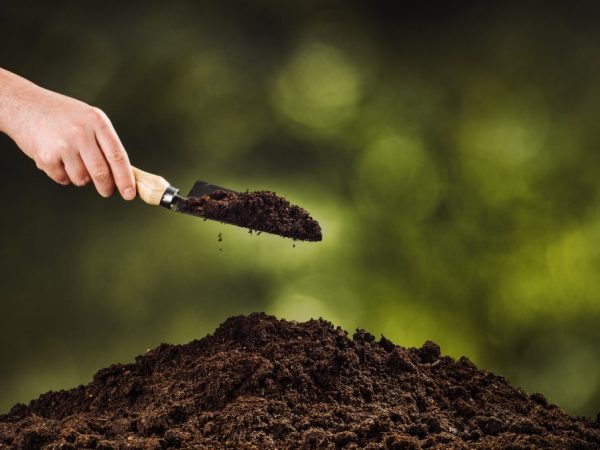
{"x": 259, "y": 211}
{"x": 261, "y": 383}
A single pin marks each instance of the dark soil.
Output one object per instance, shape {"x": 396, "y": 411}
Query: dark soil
{"x": 259, "y": 211}
{"x": 260, "y": 383}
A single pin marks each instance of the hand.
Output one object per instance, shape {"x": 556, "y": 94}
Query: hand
{"x": 72, "y": 142}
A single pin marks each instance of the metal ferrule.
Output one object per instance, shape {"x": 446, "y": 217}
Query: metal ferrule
{"x": 168, "y": 196}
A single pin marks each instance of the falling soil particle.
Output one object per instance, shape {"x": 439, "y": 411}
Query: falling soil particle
{"x": 261, "y": 383}
{"x": 259, "y": 211}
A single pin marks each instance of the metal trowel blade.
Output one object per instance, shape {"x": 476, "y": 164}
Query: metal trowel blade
{"x": 201, "y": 188}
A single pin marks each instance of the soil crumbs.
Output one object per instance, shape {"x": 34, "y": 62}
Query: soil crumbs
{"x": 262, "y": 383}
{"x": 260, "y": 211}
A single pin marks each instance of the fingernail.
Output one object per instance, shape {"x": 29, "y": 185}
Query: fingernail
{"x": 128, "y": 193}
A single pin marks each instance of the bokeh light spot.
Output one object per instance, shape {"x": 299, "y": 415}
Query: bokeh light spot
{"x": 319, "y": 87}
{"x": 396, "y": 171}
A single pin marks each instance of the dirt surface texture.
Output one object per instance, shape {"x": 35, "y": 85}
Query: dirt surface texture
{"x": 262, "y": 383}
{"x": 262, "y": 211}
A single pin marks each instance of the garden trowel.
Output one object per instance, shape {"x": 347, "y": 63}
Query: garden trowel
{"x": 261, "y": 211}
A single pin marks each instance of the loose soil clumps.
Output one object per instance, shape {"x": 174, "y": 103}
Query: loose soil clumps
{"x": 259, "y": 211}
{"x": 262, "y": 383}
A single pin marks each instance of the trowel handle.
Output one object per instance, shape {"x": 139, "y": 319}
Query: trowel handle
{"x": 150, "y": 188}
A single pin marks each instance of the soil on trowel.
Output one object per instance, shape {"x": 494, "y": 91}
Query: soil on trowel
{"x": 262, "y": 211}
{"x": 262, "y": 383}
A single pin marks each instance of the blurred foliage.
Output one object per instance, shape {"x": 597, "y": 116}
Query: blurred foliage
{"x": 449, "y": 149}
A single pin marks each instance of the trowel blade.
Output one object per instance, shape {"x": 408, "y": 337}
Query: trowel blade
{"x": 201, "y": 188}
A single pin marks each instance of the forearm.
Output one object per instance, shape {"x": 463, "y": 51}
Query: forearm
{"x": 15, "y": 93}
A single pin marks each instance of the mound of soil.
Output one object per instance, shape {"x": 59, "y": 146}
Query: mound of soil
{"x": 259, "y": 211}
{"x": 261, "y": 383}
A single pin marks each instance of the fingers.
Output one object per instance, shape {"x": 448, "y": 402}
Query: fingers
{"x": 76, "y": 169}
{"x": 52, "y": 165}
{"x": 117, "y": 158}
{"x": 58, "y": 174}
{"x": 97, "y": 167}
{"x": 88, "y": 148}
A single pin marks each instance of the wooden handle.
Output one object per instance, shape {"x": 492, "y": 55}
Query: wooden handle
{"x": 150, "y": 187}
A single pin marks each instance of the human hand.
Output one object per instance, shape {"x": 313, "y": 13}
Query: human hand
{"x": 71, "y": 141}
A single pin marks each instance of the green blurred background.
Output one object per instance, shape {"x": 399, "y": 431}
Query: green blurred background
{"x": 450, "y": 151}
